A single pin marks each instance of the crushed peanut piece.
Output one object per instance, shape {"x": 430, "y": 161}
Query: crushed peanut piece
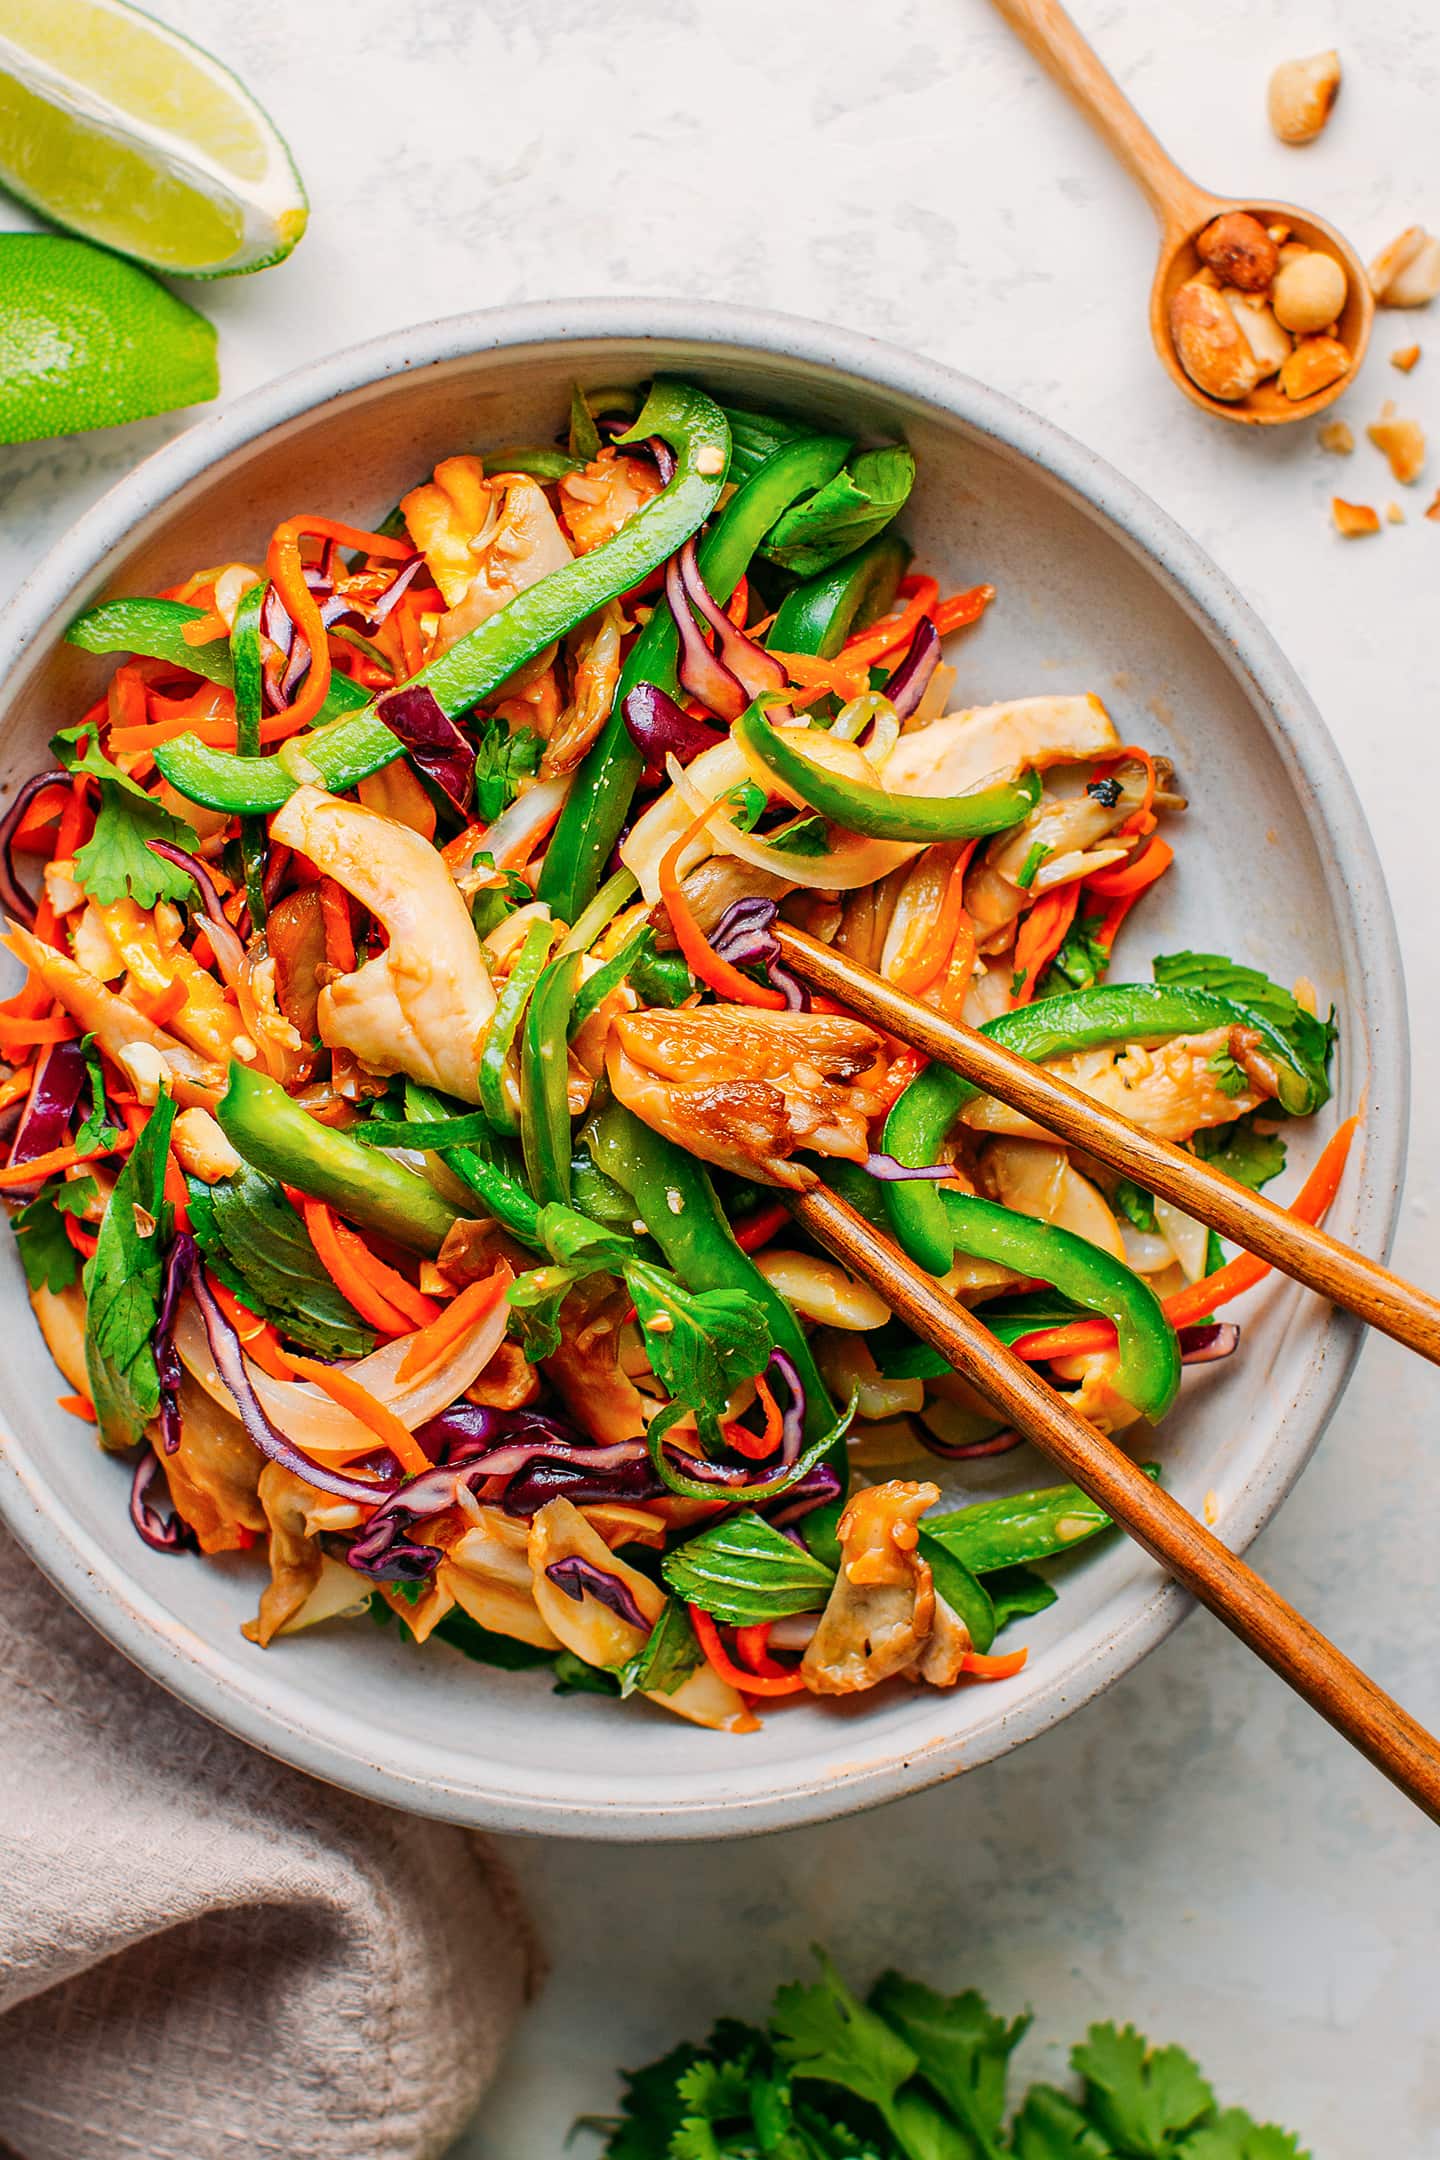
{"x": 1434, "y": 510}
{"x": 1301, "y": 94}
{"x": 1315, "y": 363}
{"x": 1337, "y": 437}
{"x": 1407, "y": 272}
{"x": 1401, "y": 441}
{"x": 1405, "y": 358}
{"x": 1353, "y": 520}
{"x": 1394, "y": 515}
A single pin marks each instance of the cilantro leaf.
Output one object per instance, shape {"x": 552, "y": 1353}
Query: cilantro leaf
{"x": 1143, "y": 2099}
{"x": 1234, "y": 2135}
{"x": 743, "y": 1571}
{"x": 700, "y": 1344}
{"x": 1081, "y": 962}
{"x": 96, "y": 1131}
{"x": 963, "y": 2049}
{"x": 713, "y": 2095}
{"x": 823, "y": 2032}
{"x": 122, "y": 1288}
{"x": 744, "y": 805}
{"x": 1251, "y": 1158}
{"x": 652, "y": 2110}
{"x": 1134, "y": 1203}
{"x": 49, "y": 1259}
{"x": 115, "y": 860}
{"x": 667, "y": 1658}
{"x": 503, "y": 758}
{"x": 1233, "y": 1078}
{"x": 535, "y": 1299}
{"x": 807, "y": 836}
{"x": 1051, "y": 2127}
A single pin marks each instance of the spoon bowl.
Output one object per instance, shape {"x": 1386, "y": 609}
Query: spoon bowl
{"x": 1183, "y": 211}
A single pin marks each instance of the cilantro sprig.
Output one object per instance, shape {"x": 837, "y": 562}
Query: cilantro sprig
{"x": 911, "y": 2074}
{"x": 116, "y": 861}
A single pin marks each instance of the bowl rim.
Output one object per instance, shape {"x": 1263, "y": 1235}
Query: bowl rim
{"x": 140, "y": 1627}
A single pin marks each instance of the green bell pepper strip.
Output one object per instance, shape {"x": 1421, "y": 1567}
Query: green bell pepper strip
{"x": 1055, "y": 1027}
{"x": 504, "y": 1024}
{"x": 676, "y": 1201}
{"x": 476, "y": 665}
{"x": 545, "y": 1078}
{"x": 539, "y": 464}
{"x": 151, "y": 629}
{"x": 275, "y": 1135}
{"x": 601, "y": 912}
{"x": 1147, "y": 1373}
{"x": 503, "y": 1194}
{"x": 599, "y": 802}
{"x": 473, "y": 1129}
{"x": 1021, "y": 1527}
{"x": 247, "y": 668}
{"x": 875, "y": 812}
{"x": 819, "y": 615}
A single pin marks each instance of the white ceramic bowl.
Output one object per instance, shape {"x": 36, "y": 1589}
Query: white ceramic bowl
{"x": 1097, "y": 590}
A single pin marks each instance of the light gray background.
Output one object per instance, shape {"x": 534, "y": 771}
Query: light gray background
{"x": 1195, "y": 1851}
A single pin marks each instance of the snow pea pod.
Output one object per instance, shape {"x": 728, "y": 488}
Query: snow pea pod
{"x": 1056, "y": 1027}
{"x": 876, "y": 812}
{"x": 481, "y": 1168}
{"x": 545, "y": 1079}
{"x": 599, "y": 802}
{"x": 1021, "y": 1527}
{"x": 476, "y": 665}
{"x": 247, "y": 667}
{"x": 819, "y": 615}
{"x": 152, "y": 630}
{"x": 505, "y": 1022}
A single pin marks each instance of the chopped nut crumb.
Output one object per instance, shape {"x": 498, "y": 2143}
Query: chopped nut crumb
{"x": 1353, "y": 520}
{"x": 1394, "y": 515}
{"x": 1434, "y": 510}
{"x": 1337, "y": 438}
{"x": 1405, "y": 358}
{"x": 1401, "y": 441}
{"x": 1211, "y": 1507}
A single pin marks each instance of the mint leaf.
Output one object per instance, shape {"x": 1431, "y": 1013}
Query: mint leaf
{"x": 1051, "y": 2127}
{"x": 743, "y": 1571}
{"x": 503, "y": 758}
{"x": 573, "y": 1241}
{"x": 841, "y": 516}
{"x": 1311, "y": 1038}
{"x": 122, "y": 1288}
{"x": 246, "y": 1224}
{"x": 963, "y": 2049}
{"x": 701, "y": 1344}
{"x": 668, "y": 1657}
{"x": 1251, "y": 1158}
{"x": 1142, "y": 2098}
{"x": 49, "y": 1259}
{"x": 1234, "y": 2135}
{"x": 535, "y": 1299}
{"x": 574, "y": 1677}
{"x": 482, "y": 1644}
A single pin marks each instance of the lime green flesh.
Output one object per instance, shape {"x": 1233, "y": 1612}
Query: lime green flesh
{"x": 88, "y": 341}
{"x": 119, "y": 129}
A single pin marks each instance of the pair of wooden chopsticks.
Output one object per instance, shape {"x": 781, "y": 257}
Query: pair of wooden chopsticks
{"x": 1392, "y": 1740}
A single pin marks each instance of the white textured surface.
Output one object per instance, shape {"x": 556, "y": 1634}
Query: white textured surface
{"x": 1195, "y": 1850}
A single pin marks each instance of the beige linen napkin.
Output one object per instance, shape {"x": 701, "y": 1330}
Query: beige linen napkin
{"x": 205, "y": 1956}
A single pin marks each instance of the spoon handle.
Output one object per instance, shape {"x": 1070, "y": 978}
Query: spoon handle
{"x": 1055, "y": 41}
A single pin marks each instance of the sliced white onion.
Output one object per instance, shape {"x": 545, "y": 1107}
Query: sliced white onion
{"x": 851, "y": 860}
{"x": 1187, "y": 1239}
{"x": 518, "y": 831}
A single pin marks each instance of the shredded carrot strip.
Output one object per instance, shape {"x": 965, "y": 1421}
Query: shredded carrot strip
{"x": 961, "y": 609}
{"x": 739, "y": 606}
{"x": 757, "y": 1447}
{"x": 823, "y": 678}
{"x": 708, "y": 1637}
{"x": 758, "y": 1229}
{"x": 42, "y": 1166}
{"x": 895, "y": 631}
{"x": 414, "y": 1307}
{"x": 261, "y": 1339}
{"x": 930, "y": 960}
{"x": 352, "y": 1280}
{"x": 163, "y": 1007}
{"x": 16, "y": 1034}
{"x": 46, "y": 808}
{"x": 1128, "y": 879}
{"x": 1041, "y": 935}
{"x": 753, "y": 1644}
{"x": 1003, "y": 1667}
{"x": 78, "y": 1406}
{"x": 343, "y": 1388}
{"x": 454, "y": 1322}
{"x": 700, "y": 956}
{"x": 286, "y": 570}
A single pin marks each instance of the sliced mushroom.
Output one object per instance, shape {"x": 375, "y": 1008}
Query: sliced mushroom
{"x": 881, "y": 1611}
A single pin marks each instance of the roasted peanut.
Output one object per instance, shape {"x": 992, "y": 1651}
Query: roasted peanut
{"x": 1401, "y": 441}
{"x": 1353, "y": 520}
{"x": 1257, "y": 325}
{"x": 1208, "y": 342}
{"x": 1407, "y": 272}
{"x": 1309, "y": 292}
{"x": 1301, "y": 94}
{"x": 1315, "y": 363}
{"x": 1239, "y": 250}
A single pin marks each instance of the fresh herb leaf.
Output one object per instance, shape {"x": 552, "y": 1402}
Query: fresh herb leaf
{"x": 574, "y": 1677}
{"x": 743, "y": 1571}
{"x": 653, "y": 2110}
{"x": 1051, "y": 2127}
{"x": 246, "y": 1224}
{"x": 963, "y": 2050}
{"x": 859, "y": 502}
{"x": 503, "y": 758}
{"x": 494, "y": 903}
{"x": 1082, "y": 960}
{"x": 1234, "y": 2135}
{"x": 824, "y": 2032}
{"x": 96, "y": 1131}
{"x": 1233, "y": 1078}
{"x": 573, "y": 1241}
{"x": 745, "y": 805}
{"x": 49, "y": 1259}
{"x": 667, "y": 1659}
{"x": 807, "y": 836}
{"x": 716, "y": 2099}
{"x": 484, "y": 1645}
{"x": 115, "y": 861}
{"x": 661, "y": 978}
{"x": 535, "y": 1299}
{"x": 1141, "y": 2098}
{"x": 122, "y": 1288}
{"x": 1311, "y": 1038}
{"x": 1030, "y": 868}
{"x": 1134, "y": 1203}
{"x": 1018, "y": 1593}
{"x": 701, "y": 1344}
{"x": 1252, "y": 1158}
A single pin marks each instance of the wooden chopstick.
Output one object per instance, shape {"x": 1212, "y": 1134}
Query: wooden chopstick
{"x": 1384, "y": 1300}
{"x": 1323, "y": 1676}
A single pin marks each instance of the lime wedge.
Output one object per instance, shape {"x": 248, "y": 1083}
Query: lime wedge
{"x": 88, "y": 340}
{"x": 118, "y": 128}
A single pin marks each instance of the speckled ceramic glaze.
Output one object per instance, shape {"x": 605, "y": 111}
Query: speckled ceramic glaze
{"x": 1098, "y": 590}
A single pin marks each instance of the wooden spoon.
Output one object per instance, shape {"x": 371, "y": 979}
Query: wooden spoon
{"x": 1184, "y": 210}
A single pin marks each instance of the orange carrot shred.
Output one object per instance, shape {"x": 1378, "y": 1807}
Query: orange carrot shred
{"x": 343, "y": 1388}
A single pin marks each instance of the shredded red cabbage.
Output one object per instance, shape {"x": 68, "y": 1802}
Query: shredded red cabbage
{"x": 224, "y": 939}
{"x": 911, "y": 679}
{"x": 45, "y": 1119}
{"x": 745, "y": 936}
{"x": 179, "y": 1267}
{"x": 1000, "y": 1443}
{"x": 1206, "y": 1345}
{"x": 13, "y": 895}
{"x": 815, "y": 1490}
{"x": 167, "y": 1534}
{"x": 660, "y": 728}
{"x": 702, "y": 674}
{"x": 893, "y": 1171}
{"x": 579, "y": 1578}
{"x": 434, "y": 742}
{"x": 752, "y": 667}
